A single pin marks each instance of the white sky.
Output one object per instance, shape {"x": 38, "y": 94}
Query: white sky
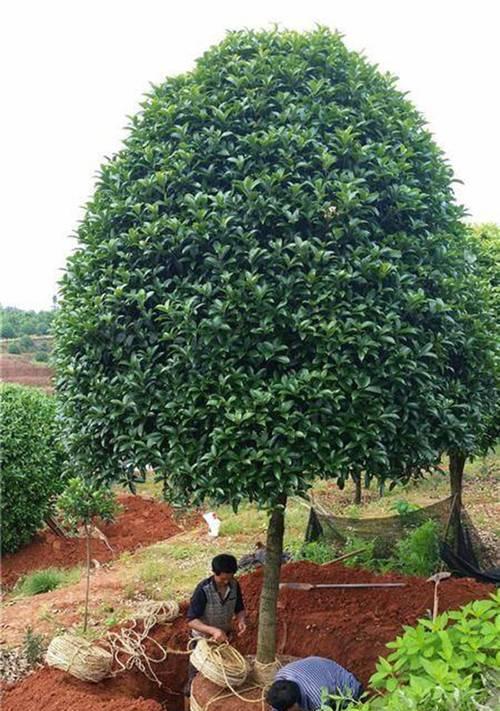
{"x": 74, "y": 69}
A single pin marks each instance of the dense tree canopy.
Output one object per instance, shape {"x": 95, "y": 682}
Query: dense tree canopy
{"x": 261, "y": 293}
{"x": 31, "y": 459}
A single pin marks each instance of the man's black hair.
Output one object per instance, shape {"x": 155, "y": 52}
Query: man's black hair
{"x": 224, "y": 563}
{"x": 283, "y": 694}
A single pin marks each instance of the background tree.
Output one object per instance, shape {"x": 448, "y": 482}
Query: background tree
{"x": 473, "y": 373}
{"x": 259, "y": 294}
{"x": 32, "y": 460}
{"x": 81, "y": 503}
{"x": 17, "y": 322}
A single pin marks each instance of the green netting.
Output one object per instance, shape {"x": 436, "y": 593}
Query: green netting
{"x": 458, "y": 536}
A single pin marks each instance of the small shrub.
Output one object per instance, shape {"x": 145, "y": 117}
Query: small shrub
{"x": 418, "y": 552}
{"x": 315, "y": 551}
{"x": 41, "y": 581}
{"x": 14, "y": 348}
{"x": 364, "y": 559}
{"x": 26, "y": 344}
{"x": 41, "y": 357}
{"x": 34, "y": 646}
{"x": 404, "y": 507}
{"x": 438, "y": 665}
{"x": 31, "y": 459}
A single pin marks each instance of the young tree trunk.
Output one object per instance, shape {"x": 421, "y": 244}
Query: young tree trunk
{"x": 266, "y": 640}
{"x": 357, "y": 482}
{"x": 457, "y": 464}
{"x": 85, "y": 619}
{"x": 456, "y": 468}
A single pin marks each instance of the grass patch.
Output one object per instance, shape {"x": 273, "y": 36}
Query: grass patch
{"x": 41, "y": 581}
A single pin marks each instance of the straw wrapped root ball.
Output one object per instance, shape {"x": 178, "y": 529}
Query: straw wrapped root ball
{"x": 163, "y": 612}
{"x": 77, "y": 656}
{"x": 222, "y": 664}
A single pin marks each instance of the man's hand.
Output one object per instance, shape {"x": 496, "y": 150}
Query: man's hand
{"x": 241, "y": 627}
{"x": 219, "y": 635}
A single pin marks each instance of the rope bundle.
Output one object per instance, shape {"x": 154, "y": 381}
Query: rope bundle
{"x": 89, "y": 662}
{"x": 79, "y": 657}
{"x": 164, "y": 611}
{"x": 130, "y": 644}
{"x": 220, "y": 663}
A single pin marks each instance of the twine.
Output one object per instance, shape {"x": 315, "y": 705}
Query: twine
{"x": 130, "y": 643}
{"x": 225, "y": 666}
{"x": 79, "y": 657}
{"x": 220, "y": 663}
{"x": 263, "y": 674}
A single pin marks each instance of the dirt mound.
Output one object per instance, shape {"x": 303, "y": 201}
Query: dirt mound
{"x": 57, "y": 691}
{"x": 142, "y": 522}
{"x": 19, "y": 369}
{"x": 350, "y": 626}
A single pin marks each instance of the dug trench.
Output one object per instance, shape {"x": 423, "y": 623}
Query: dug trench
{"x": 350, "y": 626}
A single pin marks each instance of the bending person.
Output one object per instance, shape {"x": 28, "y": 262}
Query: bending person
{"x": 298, "y": 686}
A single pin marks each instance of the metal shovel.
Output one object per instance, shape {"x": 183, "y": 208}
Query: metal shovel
{"x": 310, "y": 586}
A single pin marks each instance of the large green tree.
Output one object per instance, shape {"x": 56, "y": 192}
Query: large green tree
{"x": 473, "y": 362}
{"x": 259, "y": 295}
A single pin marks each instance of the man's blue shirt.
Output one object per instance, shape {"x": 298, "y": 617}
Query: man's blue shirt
{"x": 313, "y": 674}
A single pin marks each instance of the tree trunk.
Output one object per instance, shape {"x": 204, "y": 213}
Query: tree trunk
{"x": 266, "y": 640}
{"x": 457, "y": 464}
{"x": 87, "y": 591}
{"x": 456, "y": 467}
{"x": 357, "y": 482}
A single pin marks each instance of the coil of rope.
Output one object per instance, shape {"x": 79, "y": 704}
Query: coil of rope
{"x": 223, "y": 665}
{"x": 220, "y": 663}
{"x": 128, "y": 646}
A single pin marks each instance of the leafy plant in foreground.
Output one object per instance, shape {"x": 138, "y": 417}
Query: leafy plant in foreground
{"x": 453, "y": 653}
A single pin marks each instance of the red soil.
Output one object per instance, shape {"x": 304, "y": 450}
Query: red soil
{"x": 142, "y": 522}
{"x": 350, "y": 626}
{"x": 18, "y": 369}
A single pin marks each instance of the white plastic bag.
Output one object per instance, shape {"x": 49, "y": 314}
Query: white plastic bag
{"x": 213, "y": 522}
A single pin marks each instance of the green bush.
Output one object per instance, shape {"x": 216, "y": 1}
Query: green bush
{"x": 314, "y": 551}
{"x": 418, "y": 552}
{"x": 14, "y": 348}
{"x": 41, "y": 581}
{"x": 41, "y": 357}
{"x": 438, "y": 665}
{"x": 31, "y": 459}
{"x": 364, "y": 559}
{"x": 34, "y": 646}
{"x": 26, "y": 344}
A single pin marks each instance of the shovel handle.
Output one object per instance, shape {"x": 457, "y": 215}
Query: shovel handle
{"x": 360, "y": 585}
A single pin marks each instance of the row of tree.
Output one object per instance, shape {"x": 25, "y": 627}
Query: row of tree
{"x": 274, "y": 283}
{"x": 15, "y": 322}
